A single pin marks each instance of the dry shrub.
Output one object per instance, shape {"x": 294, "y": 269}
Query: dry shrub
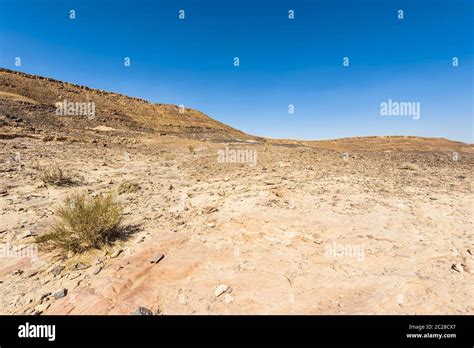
{"x": 410, "y": 166}
{"x": 266, "y": 146}
{"x": 84, "y": 223}
{"x": 56, "y": 176}
{"x": 128, "y": 187}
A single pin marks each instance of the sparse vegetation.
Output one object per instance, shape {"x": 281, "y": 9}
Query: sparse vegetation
{"x": 56, "y": 176}
{"x": 191, "y": 149}
{"x": 410, "y": 166}
{"x": 128, "y": 187}
{"x": 266, "y": 146}
{"x": 84, "y": 223}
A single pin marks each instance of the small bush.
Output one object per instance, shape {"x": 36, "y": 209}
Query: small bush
{"x": 56, "y": 176}
{"x": 266, "y": 146}
{"x": 128, "y": 187}
{"x": 410, "y": 166}
{"x": 84, "y": 223}
{"x": 191, "y": 149}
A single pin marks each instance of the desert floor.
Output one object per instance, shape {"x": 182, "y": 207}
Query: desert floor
{"x": 306, "y": 230}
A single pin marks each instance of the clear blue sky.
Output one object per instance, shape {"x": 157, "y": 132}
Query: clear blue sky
{"x": 282, "y": 61}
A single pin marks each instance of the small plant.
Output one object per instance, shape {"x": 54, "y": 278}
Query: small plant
{"x": 410, "y": 166}
{"x": 56, "y": 176}
{"x": 266, "y": 146}
{"x": 128, "y": 187}
{"x": 191, "y": 149}
{"x": 84, "y": 223}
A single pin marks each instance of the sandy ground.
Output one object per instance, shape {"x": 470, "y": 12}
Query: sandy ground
{"x": 306, "y": 230}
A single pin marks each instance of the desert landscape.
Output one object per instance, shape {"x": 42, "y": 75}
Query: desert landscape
{"x": 216, "y": 221}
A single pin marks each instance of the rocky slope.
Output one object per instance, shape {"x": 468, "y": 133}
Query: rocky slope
{"x": 30, "y": 101}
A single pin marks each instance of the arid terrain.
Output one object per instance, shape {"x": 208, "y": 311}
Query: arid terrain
{"x": 352, "y": 226}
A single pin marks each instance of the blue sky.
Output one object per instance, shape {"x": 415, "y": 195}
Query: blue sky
{"x": 282, "y": 61}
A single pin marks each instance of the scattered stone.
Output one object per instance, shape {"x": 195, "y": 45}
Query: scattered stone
{"x": 48, "y": 138}
{"x": 18, "y": 272}
{"x": 43, "y": 296}
{"x": 74, "y": 275}
{"x": 100, "y": 261}
{"x": 26, "y": 234}
{"x": 56, "y": 270}
{"x": 457, "y": 267}
{"x": 116, "y": 253}
{"x": 31, "y": 274}
{"x": 220, "y": 289}
{"x": 60, "y": 293}
{"x": 142, "y": 311}
{"x": 97, "y": 270}
{"x": 80, "y": 266}
{"x": 210, "y": 210}
{"x": 157, "y": 258}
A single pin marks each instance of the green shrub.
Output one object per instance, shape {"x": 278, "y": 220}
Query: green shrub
{"x": 84, "y": 223}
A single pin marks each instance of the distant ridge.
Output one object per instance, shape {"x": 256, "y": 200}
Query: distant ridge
{"x": 28, "y": 103}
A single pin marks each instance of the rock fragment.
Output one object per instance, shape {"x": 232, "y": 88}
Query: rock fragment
{"x": 80, "y": 266}
{"x": 457, "y": 267}
{"x": 56, "y": 270}
{"x": 116, "y": 253}
{"x": 157, "y": 258}
{"x": 97, "y": 270}
{"x": 142, "y": 311}
{"x": 220, "y": 289}
{"x": 60, "y": 293}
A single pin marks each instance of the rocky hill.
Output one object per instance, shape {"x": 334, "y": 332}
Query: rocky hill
{"x": 30, "y": 102}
